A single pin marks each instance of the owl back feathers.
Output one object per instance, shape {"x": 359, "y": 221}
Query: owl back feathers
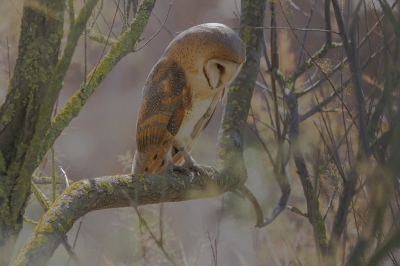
{"x": 165, "y": 101}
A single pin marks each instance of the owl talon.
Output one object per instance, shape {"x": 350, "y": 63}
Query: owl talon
{"x": 201, "y": 170}
{"x": 181, "y": 169}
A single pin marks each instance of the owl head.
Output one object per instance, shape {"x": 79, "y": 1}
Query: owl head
{"x": 212, "y": 50}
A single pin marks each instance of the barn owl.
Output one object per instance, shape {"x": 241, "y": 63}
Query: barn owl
{"x": 181, "y": 94}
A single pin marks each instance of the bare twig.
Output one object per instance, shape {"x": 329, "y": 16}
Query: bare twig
{"x": 65, "y": 176}
{"x": 8, "y": 60}
{"x": 173, "y": 35}
{"x": 327, "y": 9}
{"x": 333, "y": 95}
{"x": 305, "y": 35}
{"x": 297, "y": 29}
{"x": 48, "y": 180}
{"x": 104, "y": 48}
{"x": 158, "y": 242}
{"x": 16, "y": 9}
{"x": 53, "y": 175}
{"x": 155, "y": 34}
{"x": 99, "y": 38}
{"x": 297, "y": 211}
{"x": 212, "y": 248}
{"x": 329, "y": 205}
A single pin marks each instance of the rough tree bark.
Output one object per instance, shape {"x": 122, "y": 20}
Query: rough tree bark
{"x": 41, "y": 33}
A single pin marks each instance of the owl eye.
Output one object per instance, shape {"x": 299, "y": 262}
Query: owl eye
{"x": 220, "y": 68}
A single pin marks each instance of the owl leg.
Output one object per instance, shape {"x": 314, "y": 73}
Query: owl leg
{"x": 190, "y": 163}
{"x": 171, "y": 166}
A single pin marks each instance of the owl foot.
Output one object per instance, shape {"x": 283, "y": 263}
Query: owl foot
{"x": 173, "y": 167}
{"x": 201, "y": 170}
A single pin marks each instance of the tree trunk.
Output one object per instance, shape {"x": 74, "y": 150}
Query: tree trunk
{"x": 20, "y": 123}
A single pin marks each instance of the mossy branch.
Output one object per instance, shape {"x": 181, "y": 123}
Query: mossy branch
{"x": 21, "y": 123}
{"x": 125, "y": 45}
{"x": 230, "y": 146}
{"x": 45, "y": 204}
{"x": 314, "y": 215}
{"x": 94, "y": 36}
{"x": 310, "y": 62}
{"x": 234, "y": 118}
{"x": 50, "y": 94}
{"x": 111, "y": 192}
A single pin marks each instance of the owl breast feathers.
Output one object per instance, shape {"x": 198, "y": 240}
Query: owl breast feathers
{"x": 181, "y": 94}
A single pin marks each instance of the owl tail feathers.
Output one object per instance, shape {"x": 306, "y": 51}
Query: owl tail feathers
{"x": 144, "y": 163}
{"x": 139, "y": 163}
{"x": 136, "y": 169}
{"x": 155, "y": 160}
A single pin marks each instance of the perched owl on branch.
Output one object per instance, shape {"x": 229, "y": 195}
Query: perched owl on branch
{"x": 181, "y": 94}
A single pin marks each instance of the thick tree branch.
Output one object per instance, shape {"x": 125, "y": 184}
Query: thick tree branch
{"x": 314, "y": 214}
{"x": 234, "y": 119}
{"x": 112, "y": 192}
{"x": 40, "y": 39}
{"x": 230, "y": 146}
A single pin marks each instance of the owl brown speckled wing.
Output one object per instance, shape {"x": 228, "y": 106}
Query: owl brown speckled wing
{"x": 166, "y": 97}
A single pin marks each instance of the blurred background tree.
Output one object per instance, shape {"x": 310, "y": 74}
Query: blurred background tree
{"x": 322, "y": 126}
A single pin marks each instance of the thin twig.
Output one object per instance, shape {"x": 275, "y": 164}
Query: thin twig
{"x": 76, "y": 237}
{"x": 65, "y": 176}
{"x": 104, "y": 48}
{"x": 16, "y": 9}
{"x": 142, "y": 221}
{"x": 173, "y": 35}
{"x": 8, "y": 60}
{"x": 329, "y": 205}
{"x": 299, "y": 29}
{"x": 333, "y": 95}
{"x": 53, "y": 175}
{"x": 221, "y": 213}
{"x": 297, "y": 211}
{"x": 305, "y": 34}
{"x": 212, "y": 248}
{"x": 162, "y": 26}
{"x": 327, "y": 9}
{"x": 48, "y": 180}
{"x": 30, "y": 221}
